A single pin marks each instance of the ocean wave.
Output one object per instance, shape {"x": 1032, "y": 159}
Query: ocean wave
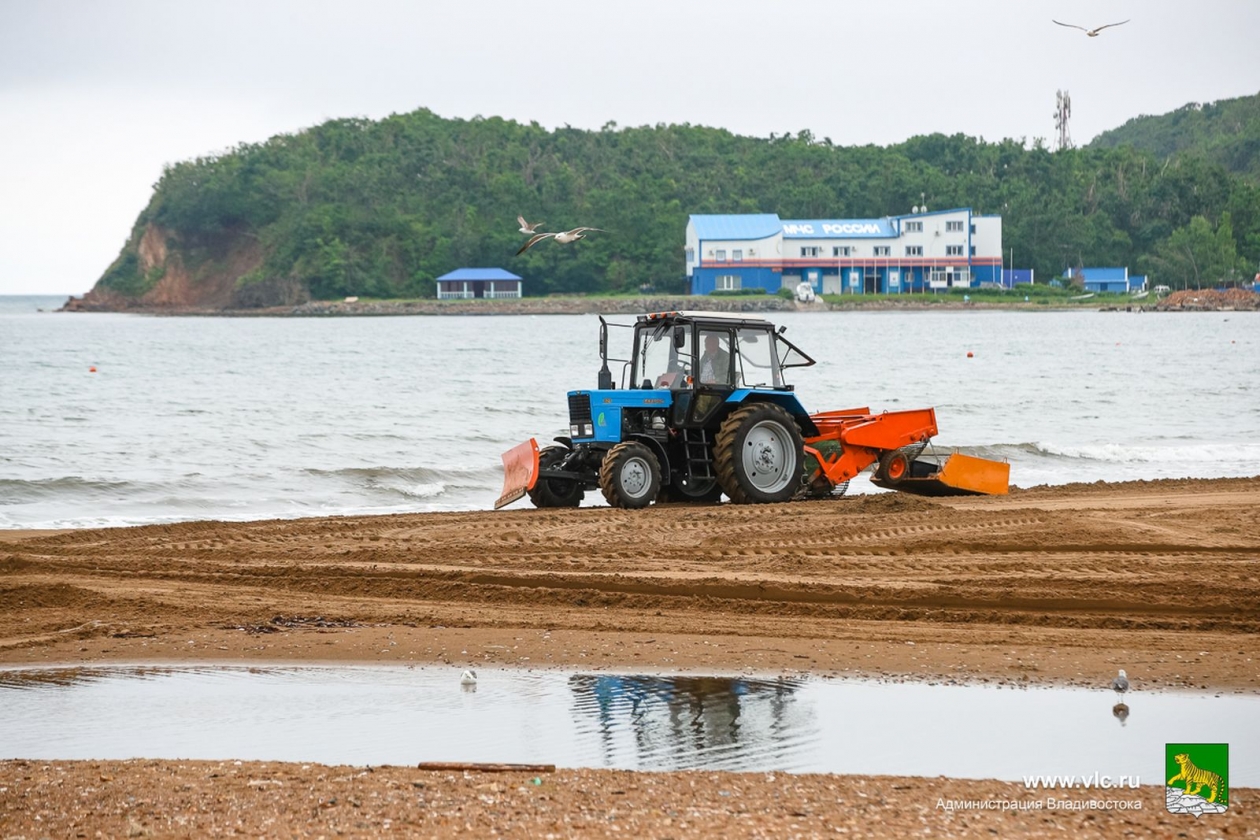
{"x": 1204, "y": 453}
{"x": 1122, "y": 453}
{"x": 17, "y": 491}
{"x": 414, "y": 475}
{"x": 423, "y": 491}
{"x": 408, "y": 483}
{"x": 78, "y": 501}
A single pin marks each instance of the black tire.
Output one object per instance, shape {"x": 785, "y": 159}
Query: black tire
{"x": 630, "y": 476}
{"x": 893, "y": 467}
{"x": 759, "y": 453}
{"x": 681, "y": 491}
{"x": 555, "y": 492}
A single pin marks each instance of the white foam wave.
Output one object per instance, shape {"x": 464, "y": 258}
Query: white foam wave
{"x": 1125, "y": 453}
{"x": 423, "y": 491}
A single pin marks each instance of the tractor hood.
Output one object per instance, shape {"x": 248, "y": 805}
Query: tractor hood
{"x": 596, "y": 415}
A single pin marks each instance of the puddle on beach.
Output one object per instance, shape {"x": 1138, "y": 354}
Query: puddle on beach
{"x": 373, "y": 715}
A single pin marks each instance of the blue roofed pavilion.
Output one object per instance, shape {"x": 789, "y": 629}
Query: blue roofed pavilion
{"x": 470, "y": 283}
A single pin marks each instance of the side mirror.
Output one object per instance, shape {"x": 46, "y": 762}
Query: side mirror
{"x": 680, "y": 336}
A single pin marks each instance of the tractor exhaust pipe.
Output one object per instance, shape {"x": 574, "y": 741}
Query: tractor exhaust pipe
{"x": 605, "y": 375}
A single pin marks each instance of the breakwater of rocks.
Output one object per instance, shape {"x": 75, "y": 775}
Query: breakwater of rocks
{"x": 568, "y": 305}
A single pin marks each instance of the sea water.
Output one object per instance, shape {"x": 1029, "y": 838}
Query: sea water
{"x": 118, "y": 419}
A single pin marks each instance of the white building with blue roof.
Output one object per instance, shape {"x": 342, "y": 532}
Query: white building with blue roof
{"x": 473, "y": 283}
{"x": 918, "y": 252}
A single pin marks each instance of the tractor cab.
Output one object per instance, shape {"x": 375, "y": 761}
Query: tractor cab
{"x": 710, "y": 351}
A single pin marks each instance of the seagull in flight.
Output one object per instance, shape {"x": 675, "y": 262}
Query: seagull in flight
{"x": 1093, "y": 33}
{"x": 526, "y": 227}
{"x": 564, "y": 237}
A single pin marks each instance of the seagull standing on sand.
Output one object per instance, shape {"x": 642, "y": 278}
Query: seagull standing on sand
{"x": 526, "y": 227}
{"x": 1121, "y": 683}
{"x": 1093, "y": 33}
{"x": 564, "y": 237}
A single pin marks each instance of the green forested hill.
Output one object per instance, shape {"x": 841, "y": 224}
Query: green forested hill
{"x": 1225, "y": 132}
{"x": 380, "y": 208}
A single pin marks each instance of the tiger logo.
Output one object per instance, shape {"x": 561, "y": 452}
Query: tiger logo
{"x": 1196, "y": 778}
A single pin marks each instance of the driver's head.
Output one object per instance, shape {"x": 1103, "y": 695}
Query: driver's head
{"x": 710, "y": 343}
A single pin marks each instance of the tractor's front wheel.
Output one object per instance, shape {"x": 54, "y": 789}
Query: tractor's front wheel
{"x": 759, "y": 452}
{"x": 630, "y": 476}
{"x": 555, "y": 492}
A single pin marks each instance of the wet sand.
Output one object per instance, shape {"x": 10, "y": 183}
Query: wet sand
{"x": 1059, "y": 585}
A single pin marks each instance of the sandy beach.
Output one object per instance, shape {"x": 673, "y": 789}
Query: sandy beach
{"x": 1054, "y": 585}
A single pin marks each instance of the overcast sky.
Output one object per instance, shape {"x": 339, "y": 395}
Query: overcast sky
{"x": 95, "y": 97}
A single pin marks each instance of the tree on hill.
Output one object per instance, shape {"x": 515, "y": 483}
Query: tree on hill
{"x": 1226, "y": 132}
{"x": 1199, "y": 255}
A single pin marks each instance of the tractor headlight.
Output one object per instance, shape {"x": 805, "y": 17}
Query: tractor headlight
{"x": 589, "y": 429}
{"x": 582, "y": 430}
{"x": 576, "y": 430}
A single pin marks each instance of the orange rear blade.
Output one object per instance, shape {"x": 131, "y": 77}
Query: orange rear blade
{"x": 520, "y": 471}
{"x": 957, "y": 475}
{"x": 976, "y": 475}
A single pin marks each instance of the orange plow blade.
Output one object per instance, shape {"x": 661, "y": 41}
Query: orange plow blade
{"x": 520, "y": 471}
{"x": 955, "y": 475}
{"x": 976, "y": 475}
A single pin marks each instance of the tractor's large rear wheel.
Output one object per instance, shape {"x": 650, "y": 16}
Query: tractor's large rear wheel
{"x": 758, "y": 453}
{"x": 630, "y": 476}
{"x": 555, "y": 492}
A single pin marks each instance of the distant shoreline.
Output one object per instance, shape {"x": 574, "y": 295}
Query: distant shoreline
{"x": 582, "y": 306}
{"x": 1205, "y": 300}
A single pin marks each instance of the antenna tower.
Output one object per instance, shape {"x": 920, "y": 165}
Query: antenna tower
{"x": 1062, "y": 112}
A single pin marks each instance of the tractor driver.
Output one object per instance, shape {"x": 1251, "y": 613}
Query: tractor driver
{"x": 715, "y": 363}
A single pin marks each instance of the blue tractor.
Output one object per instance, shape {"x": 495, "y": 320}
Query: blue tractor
{"x": 701, "y": 410}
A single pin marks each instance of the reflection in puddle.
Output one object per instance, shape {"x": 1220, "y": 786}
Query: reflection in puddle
{"x": 692, "y": 722}
{"x": 398, "y": 715}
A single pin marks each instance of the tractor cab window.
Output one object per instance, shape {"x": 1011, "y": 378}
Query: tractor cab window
{"x": 756, "y": 364}
{"x": 664, "y": 357}
{"x": 714, "y": 366}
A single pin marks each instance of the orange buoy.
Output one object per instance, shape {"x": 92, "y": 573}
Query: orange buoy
{"x": 92, "y": 369}
{"x": 970, "y": 354}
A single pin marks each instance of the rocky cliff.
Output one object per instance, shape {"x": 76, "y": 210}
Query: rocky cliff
{"x": 157, "y": 272}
